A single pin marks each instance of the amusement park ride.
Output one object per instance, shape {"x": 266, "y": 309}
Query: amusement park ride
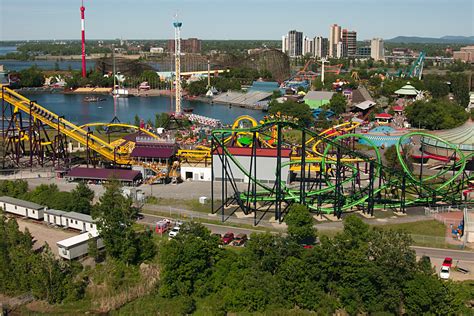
{"x": 329, "y": 170}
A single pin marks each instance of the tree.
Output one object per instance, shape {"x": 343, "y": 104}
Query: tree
{"x": 81, "y": 198}
{"x": 32, "y": 77}
{"x": 300, "y": 224}
{"x": 301, "y": 111}
{"x": 161, "y": 119}
{"x": 435, "y": 114}
{"x": 115, "y": 215}
{"x": 92, "y": 249}
{"x": 136, "y": 120}
{"x": 186, "y": 260}
{"x": 337, "y": 104}
{"x": 392, "y": 161}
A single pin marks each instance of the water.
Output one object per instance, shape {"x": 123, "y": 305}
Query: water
{"x": 79, "y": 112}
{"x": 17, "y": 65}
{"x": 7, "y": 49}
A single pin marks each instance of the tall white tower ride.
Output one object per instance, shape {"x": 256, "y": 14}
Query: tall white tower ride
{"x": 177, "y": 62}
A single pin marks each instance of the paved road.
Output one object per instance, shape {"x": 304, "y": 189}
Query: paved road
{"x": 465, "y": 256}
{"x": 442, "y": 253}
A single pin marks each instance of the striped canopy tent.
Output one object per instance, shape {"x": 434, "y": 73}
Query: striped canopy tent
{"x": 407, "y": 90}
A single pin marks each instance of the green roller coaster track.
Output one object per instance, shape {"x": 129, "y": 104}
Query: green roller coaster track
{"x": 343, "y": 190}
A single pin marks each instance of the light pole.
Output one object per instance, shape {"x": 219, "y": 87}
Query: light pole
{"x": 323, "y": 61}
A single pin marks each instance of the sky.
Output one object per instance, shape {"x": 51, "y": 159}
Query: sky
{"x": 233, "y": 19}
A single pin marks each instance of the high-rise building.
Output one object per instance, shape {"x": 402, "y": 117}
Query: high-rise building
{"x": 321, "y": 45}
{"x": 377, "y": 51}
{"x": 308, "y": 46}
{"x": 349, "y": 39}
{"x": 334, "y": 39}
{"x": 284, "y": 43}
{"x": 295, "y": 43}
{"x": 341, "y": 50}
{"x": 190, "y": 45}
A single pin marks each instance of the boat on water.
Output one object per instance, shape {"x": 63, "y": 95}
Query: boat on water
{"x": 92, "y": 99}
{"x": 120, "y": 93}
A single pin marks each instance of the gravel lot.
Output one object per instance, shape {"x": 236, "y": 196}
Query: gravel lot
{"x": 42, "y": 233}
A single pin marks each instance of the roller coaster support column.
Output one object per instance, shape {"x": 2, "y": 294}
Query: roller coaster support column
{"x": 403, "y": 195}
{"x": 212, "y": 175}
{"x": 338, "y": 186}
{"x": 278, "y": 176}
{"x": 370, "y": 200}
{"x": 30, "y": 134}
{"x": 253, "y": 161}
{"x": 87, "y": 148}
{"x": 223, "y": 176}
{"x": 254, "y": 183}
{"x": 303, "y": 167}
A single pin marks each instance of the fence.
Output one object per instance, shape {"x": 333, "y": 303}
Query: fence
{"x": 446, "y": 209}
{"x": 434, "y": 241}
{"x": 15, "y": 174}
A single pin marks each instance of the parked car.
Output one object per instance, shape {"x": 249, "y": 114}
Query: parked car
{"x": 227, "y": 238}
{"x": 444, "y": 272}
{"x": 174, "y": 232}
{"x": 448, "y": 262}
{"x": 239, "y": 240}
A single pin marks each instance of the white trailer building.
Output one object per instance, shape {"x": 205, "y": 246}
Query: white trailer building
{"x": 54, "y": 217}
{"x": 22, "y": 208}
{"x": 79, "y": 221}
{"x": 78, "y": 246}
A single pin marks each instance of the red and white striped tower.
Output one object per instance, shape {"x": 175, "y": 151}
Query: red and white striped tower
{"x": 83, "y": 41}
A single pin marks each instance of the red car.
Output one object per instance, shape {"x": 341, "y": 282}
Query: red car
{"x": 227, "y": 238}
{"x": 447, "y": 262}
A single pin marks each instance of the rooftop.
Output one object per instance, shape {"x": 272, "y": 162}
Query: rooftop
{"x": 367, "y": 104}
{"x": 260, "y": 152}
{"x": 80, "y": 217}
{"x": 77, "y": 240}
{"x": 54, "y": 212}
{"x": 462, "y": 137}
{"x": 22, "y": 203}
{"x": 163, "y": 152}
{"x": 407, "y": 89}
{"x": 319, "y": 95}
{"x": 103, "y": 174}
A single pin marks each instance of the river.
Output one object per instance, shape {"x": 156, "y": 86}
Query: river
{"x": 77, "y": 111}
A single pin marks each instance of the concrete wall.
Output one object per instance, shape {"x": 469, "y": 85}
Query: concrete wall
{"x": 22, "y": 211}
{"x": 266, "y": 168}
{"x": 197, "y": 173}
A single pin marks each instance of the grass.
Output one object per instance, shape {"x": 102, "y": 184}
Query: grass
{"x": 191, "y": 205}
{"x": 426, "y": 228}
{"x": 206, "y": 221}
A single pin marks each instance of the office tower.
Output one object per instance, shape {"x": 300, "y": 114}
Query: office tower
{"x": 308, "y": 46}
{"x": 321, "y": 45}
{"x": 377, "y": 51}
{"x": 295, "y": 43}
{"x": 334, "y": 39}
{"x": 349, "y": 39}
{"x": 284, "y": 43}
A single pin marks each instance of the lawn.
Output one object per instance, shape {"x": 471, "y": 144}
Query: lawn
{"x": 426, "y": 228}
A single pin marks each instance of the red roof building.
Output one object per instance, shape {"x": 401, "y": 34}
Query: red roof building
{"x": 385, "y": 116}
{"x": 102, "y": 174}
{"x": 397, "y": 108}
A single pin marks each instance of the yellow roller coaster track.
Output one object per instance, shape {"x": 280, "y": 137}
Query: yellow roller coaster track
{"x": 67, "y": 128}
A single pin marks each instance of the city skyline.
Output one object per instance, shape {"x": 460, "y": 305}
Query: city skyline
{"x": 266, "y": 20}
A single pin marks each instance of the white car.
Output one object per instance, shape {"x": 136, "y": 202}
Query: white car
{"x": 174, "y": 232}
{"x": 444, "y": 273}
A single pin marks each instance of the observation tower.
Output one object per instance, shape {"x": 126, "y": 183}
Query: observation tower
{"x": 177, "y": 57}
